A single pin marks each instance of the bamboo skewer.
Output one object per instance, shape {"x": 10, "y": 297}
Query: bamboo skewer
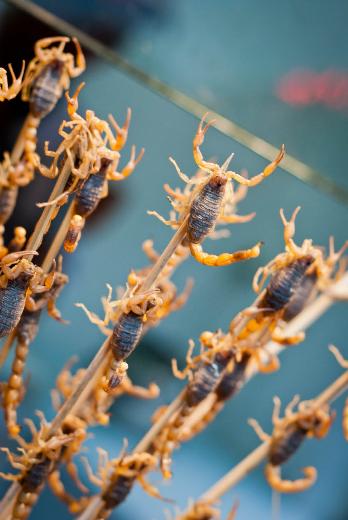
{"x": 43, "y": 223}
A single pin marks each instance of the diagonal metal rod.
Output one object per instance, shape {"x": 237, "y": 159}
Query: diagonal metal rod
{"x": 226, "y": 126}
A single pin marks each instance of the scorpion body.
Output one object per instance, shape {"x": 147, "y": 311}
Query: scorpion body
{"x": 125, "y": 337}
{"x": 284, "y": 284}
{"x": 230, "y": 384}
{"x": 284, "y": 447}
{"x": 204, "y": 381}
{"x": 25, "y": 333}
{"x": 280, "y": 292}
{"x": 46, "y": 89}
{"x": 87, "y": 198}
{"x": 288, "y": 434}
{"x": 31, "y": 484}
{"x": 205, "y": 209}
{"x": 300, "y": 298}
{"x": 8, "y": 199}
{"x": 118, "y": 490}
{"x": 12, "y": 301}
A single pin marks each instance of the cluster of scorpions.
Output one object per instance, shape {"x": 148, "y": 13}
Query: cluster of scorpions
{"x": 221, "y": 368}
{"x": 93, "y": 154}
{"x": 91, "y": 147}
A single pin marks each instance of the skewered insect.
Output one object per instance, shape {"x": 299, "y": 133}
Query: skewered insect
{"x": 85, "y": 146}
{"x": 202, "y": 381}
{"x": 15, "y": 282}
{"x": 11, "y": 178}
{"x": 49, "y": 73}
{"x": 295, "y": 275}
{"x": 288, "y": 435}
{"x": 6, "y": 92}
{"x": 95, "y": 410}
{"x": 37, "y": 459}
{"x": 230, "y": 384}
{"x": 13, "y": 391}
{"x": 117, "y": 477}
{"x": 95, "y": 188}
{"x": 208, "y": 201}
{"x": 130, "y": 314}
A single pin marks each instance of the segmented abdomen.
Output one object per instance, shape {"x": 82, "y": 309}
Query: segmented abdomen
{"x": 284, "y": 284}
{"x": 300, "y": 298}
{"x": 281, "y": 449}
{"x": 205, "y": 379}
{"x": 12, "y": 301}
{"x": 8, "y": 199}
{"x": 232, "y": 382}
{"x": 205, "y": 209}
{"x": 46, "y": 89}
{"x": 88, "y": 196}
{"x": 117, "y": 491}
{"x": 30, "y": 486}
{"x": 126, "y": 335}
{"x": 28, "y": 326}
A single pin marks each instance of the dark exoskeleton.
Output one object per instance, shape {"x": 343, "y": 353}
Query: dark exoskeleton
{"x": 205, "y": 209}
{"x": 8, "y": 199}
{"x": 284, "y": 284}
{"x": 88, "y": 195}
{"x": 31, "y": 484}
{"x": 46, "y": 89}
{"x": 12, "y": 301}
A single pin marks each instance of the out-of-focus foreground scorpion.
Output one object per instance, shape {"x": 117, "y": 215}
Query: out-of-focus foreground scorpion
{"x": 25, "y": 333}
{"x": 288, "y": 435}
{"x": 45, "y": 78}
{"x": 36, "y": 461}
{"x": 209, "y": 200}
{"x": 19, "y": 279}
{"x": 116, "y": 478}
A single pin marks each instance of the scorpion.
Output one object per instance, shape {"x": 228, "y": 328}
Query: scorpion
{"x": 287, "y": 436}
{"x": 13, "y": 391}
{"x": 36, "y": 461}
{"x": 117, "y": 477}
{"x": 95, "y": 409}
{"x": 17, "y": 283}
{"x": 295, "y": 275}
{"x": 207, "y": 202}
{"x": 204, "y": 373}
{"x": 90, "y": 191}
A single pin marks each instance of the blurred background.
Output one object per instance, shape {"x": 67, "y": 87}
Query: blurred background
{"x": 274, "y": 73}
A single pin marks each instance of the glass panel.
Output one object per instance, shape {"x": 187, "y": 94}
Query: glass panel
{"x": 111, "y": 246}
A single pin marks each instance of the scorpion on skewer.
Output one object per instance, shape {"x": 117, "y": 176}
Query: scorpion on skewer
{"x": 211, "y": 202}
{"x": 288, "y": 435}
{"x": 36, "y": 461}
{"x": 13, "y": 391}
